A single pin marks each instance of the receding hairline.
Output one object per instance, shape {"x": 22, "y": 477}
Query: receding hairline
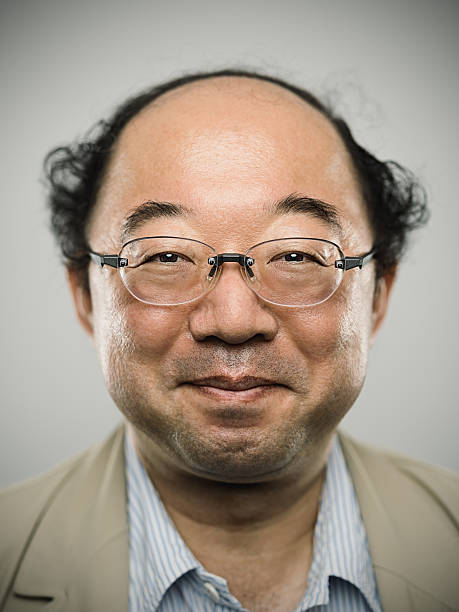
{"x": 262, "y": 90}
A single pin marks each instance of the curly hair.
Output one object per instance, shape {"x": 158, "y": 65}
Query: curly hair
{"x": 396, "y": 202}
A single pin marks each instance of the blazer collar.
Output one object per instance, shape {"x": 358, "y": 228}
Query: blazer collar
{"x": 79, "y": 555}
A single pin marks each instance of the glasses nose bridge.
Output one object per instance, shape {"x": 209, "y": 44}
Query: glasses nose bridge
{"x": 217, "y": 261}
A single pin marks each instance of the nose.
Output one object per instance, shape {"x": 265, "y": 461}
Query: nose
{"x": 232, "y": 312}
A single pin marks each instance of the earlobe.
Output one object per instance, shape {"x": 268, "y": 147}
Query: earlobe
{"x": 381, "y": 298}
{"x": 81, "y": 300}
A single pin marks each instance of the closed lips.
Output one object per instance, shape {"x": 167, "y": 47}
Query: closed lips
{"x": 231, "y": 384}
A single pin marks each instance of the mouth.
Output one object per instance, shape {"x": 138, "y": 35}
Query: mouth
{"x": 227, "y": 383}
{"x": 224, "y": 388}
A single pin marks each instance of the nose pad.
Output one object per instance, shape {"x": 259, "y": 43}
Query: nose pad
{"x": 251, "y": 278}
{"x": 214, "y": 274}
{"x": 215, "y": 269}
{"x": 248, "y": 267}
{"x": 248, "y": 275}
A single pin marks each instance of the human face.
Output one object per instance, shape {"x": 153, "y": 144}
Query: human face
{"x": 229, "y": 387}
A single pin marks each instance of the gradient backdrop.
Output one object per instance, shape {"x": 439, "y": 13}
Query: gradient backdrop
{"x": 392, "y": 68}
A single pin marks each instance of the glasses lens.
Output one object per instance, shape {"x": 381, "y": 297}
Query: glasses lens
{"x": 295, "y": 271}
{"x": 166, "y": 271}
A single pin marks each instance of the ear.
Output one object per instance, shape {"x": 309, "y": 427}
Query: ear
{"x": 381, "y": 297}
{"x": 81, "y": 300}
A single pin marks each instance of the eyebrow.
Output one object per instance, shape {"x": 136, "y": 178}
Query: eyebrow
{"x": 149, "y": 210}
{"x": 296, "y": 203}
{"x": 293, "y": 203}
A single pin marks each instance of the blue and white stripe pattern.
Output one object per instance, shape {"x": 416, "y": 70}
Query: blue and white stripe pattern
{"x": 166, "y": 577}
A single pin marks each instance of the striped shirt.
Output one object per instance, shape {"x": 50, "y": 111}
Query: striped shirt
{"x": 164, "y": 575}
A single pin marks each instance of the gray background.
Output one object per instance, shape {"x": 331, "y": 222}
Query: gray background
{"x": 393, "y": 68}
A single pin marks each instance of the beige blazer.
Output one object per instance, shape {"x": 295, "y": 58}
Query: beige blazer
{"x": 64, "y": 535}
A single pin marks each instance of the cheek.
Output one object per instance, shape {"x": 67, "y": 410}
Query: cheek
{"x": 334, "y": 336}
{"x": 130, "y": 335}
{"x": 113, "y": 341}
{"x": 151, "y": 330}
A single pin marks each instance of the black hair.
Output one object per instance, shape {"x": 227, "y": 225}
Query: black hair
{"x": 395, "y": 200}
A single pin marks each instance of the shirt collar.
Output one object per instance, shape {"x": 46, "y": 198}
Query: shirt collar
{"x": 158, "y": 554}
{"x": 340, "y": 542}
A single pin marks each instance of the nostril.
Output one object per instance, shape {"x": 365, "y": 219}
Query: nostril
{"x": 215, "y": 340}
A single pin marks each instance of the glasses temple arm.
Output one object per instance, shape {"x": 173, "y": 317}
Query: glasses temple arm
{"x": 355, "y": 262}
{"x": 115, "y": 261}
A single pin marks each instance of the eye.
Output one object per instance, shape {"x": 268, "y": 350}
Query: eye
{"x": 294, "y": 257}
{"x": 165, "y": 257}
{"x": 168, "y": 257}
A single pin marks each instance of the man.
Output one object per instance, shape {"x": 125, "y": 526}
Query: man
{"x": 231, "y": 251}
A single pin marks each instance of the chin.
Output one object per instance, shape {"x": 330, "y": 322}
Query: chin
{"x": 238, "y": 455}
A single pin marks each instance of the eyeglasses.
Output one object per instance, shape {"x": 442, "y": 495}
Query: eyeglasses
{"x": 294, "y": 272}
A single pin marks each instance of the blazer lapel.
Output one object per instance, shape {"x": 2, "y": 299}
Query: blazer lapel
{"x": 384, "y": 541}
{"x": 79, "y": 556}
{"x": 404, "y": 527}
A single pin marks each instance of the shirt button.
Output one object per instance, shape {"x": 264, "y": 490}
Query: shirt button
{"x": 212, "y": 591}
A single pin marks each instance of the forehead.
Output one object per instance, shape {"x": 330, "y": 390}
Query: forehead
{"x": 227, "y": 149}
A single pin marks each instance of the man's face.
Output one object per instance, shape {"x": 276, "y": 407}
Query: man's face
{"x": 227, "y": 150}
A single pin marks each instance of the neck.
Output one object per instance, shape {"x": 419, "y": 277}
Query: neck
{"x": 215, "y": 513}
